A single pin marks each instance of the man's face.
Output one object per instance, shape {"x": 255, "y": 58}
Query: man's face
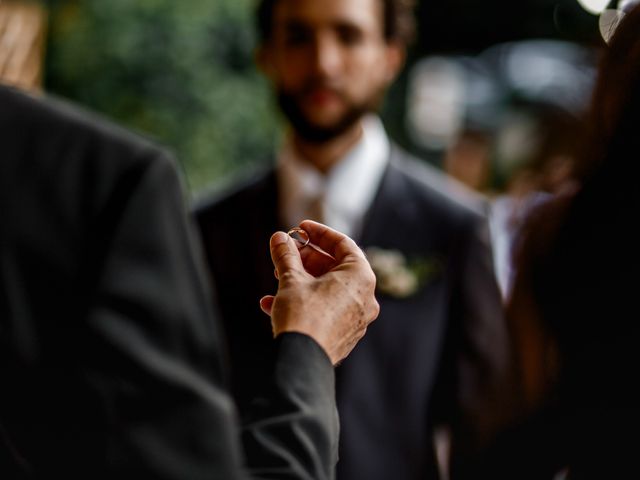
{"x": 329, "y": 63}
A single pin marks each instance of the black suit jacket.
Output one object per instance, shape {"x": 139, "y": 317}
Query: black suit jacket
{"x": 434, "y": 357}
{"x": 110, "y": 357}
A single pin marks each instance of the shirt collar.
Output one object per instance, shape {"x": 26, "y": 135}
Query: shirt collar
{"x": 348, "y": 188}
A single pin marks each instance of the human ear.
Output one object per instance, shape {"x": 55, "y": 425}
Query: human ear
{"x": 395, "y": 55}
{"x": 264, "y": 61}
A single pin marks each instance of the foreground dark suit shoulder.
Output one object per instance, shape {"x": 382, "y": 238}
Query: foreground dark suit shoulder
{"x": 430, "y": 358}
{"x": 110, "y": 358}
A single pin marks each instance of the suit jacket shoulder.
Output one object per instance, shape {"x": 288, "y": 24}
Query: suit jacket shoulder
{"x": 110, "y": 353}
{"x": 55, "y": 121}
{"x": 234, "y": 195}
{"x": 428, "y": 206}
{"x": 438, "y": 188}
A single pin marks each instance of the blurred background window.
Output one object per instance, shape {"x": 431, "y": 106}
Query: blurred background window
{"x": 183, "y": 72}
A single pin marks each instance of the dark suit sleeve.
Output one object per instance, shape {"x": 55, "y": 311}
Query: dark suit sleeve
{"x": 293, "y": 431}
{"x": 155, "y": 360}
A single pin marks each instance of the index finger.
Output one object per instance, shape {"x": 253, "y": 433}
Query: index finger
{"x": 336, "y": 244}
{"x": 316, "y": 261}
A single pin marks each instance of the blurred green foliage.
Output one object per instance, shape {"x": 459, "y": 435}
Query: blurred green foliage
{"x": 181, "y": 72}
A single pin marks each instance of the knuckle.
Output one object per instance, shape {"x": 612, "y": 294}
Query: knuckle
{"x": 375, "y": 310}
{"x": 371, "y": 279}
{"x": 368, "y": 277}
{"x": 289, "y": 276}
{"x": 344, "y": 243}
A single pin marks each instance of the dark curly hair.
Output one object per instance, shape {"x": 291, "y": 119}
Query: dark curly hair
{"x": 399, "y": 22}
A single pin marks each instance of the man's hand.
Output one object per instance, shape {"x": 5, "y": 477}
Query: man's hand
{"x": 330, "y": 298}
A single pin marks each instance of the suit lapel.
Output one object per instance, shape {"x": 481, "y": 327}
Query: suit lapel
{"x": 390, "y": 207}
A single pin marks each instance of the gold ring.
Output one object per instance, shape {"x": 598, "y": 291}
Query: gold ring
{"x": 300, "y": 236}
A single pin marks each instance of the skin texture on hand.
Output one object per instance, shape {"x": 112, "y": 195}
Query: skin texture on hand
{"x": 330, "y": 298}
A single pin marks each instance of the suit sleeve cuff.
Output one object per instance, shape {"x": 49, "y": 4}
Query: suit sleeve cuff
{"x": 300, "y": 349}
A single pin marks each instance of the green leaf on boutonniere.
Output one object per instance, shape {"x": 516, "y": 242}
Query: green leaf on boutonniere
{"x": 399, "y": 276}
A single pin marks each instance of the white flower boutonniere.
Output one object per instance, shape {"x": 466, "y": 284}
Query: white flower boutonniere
{"x": 398, "y": 276}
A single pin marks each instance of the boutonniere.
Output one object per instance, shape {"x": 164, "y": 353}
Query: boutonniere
{"x": 397, "y": 275}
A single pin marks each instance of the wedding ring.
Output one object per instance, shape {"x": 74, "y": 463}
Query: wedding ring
{"x": 300, "y": 236}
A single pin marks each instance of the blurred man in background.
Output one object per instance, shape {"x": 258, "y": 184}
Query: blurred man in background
{"x": 438, "y": 348}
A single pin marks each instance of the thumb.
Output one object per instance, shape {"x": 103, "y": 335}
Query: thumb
{"x": 284, "y": 254}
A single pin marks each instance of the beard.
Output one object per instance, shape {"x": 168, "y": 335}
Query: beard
{"x": 311, "y": 132}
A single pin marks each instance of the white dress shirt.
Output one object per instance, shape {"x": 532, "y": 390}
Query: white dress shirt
{"x": 507, "y": 215}
{"x": 347, "y": 190}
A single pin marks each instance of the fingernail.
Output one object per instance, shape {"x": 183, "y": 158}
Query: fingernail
{"x": 278, "y": 238}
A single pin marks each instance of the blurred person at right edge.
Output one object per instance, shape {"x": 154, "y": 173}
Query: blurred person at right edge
{"x": 426, "y": 371}
{"x": 575, "y": 407}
